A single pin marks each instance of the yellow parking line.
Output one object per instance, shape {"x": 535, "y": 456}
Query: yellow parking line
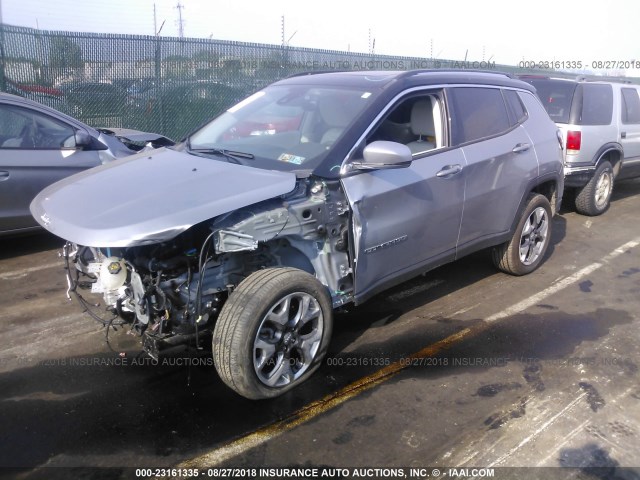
{"x": 262, "y": 435}
{"x": 325, "y": 404}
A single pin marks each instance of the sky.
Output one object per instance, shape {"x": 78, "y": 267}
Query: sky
{"x": 503, "y": 31}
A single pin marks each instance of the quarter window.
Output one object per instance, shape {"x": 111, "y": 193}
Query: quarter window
{"x": 630, "y": 106}
{"x": 477, "y": 113}
{"x": 517, "y": 113}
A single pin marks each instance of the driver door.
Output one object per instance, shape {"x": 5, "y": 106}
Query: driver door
{"x": 406, "y": 220}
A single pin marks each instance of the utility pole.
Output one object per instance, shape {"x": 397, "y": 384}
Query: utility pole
{"x": 285, "y": 43}
{"x": 179, "y": 7}
{"x": 372, "y": 44}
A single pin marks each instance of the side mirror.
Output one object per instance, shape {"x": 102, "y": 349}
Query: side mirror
{"x": 381, "y": 155}
{"x": 83, "y": 139}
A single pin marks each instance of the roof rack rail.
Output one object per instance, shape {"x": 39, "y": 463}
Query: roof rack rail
{"x": 533, "y": 76}
{"x": 407, "y": 73}
{"x": 608, "y": 79}
{"x": 410, "y": 73}
{"x": 315, "y": 72}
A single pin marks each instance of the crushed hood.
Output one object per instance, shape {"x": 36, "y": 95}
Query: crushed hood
{"x": 126, "y": 135}
{"x": 151, "y": 197}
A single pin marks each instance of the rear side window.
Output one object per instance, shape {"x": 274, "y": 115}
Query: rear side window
{"x": 477, "y": 113}
{"x": 517, "y": 113}
{"x": 556, "y": 97}
{"x": 630, "y": 106}
{"x": 597, "y": 104}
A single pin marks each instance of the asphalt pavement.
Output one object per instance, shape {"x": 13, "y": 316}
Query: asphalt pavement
{"x": 462, "y": 367}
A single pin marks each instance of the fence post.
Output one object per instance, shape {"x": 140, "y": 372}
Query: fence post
{"x": 159, "y": 87}
{"x": 3, "y": 83}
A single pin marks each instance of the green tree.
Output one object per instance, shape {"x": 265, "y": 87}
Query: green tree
{"x": 64, "y": 54}
{"x": 177, "y": 67}
{"x": 208, "y": 56}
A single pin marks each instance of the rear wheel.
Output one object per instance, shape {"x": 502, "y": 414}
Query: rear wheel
{"x": 594, "y": 198}
{"x": 273, "y": 332}
{"x": 525, "y": 251}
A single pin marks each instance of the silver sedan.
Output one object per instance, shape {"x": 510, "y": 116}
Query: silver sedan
{"x": 39, "y": 146}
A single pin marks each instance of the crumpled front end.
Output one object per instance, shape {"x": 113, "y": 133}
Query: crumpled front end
{"x": 172, "y": 291}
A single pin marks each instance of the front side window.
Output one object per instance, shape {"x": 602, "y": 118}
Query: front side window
{"x": 415, "y": 121}
{"x": 477, "y": 113}
{"x": 26, "y": 129}
{"x": 630, "y": 106}
{"x": 284, "y": 127}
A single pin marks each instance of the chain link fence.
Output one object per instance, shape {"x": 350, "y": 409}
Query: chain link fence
{"x": 161, "y": 84}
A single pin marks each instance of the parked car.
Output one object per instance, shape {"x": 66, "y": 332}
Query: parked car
{"x": 95, "y": 99}
{"x": 49, "y": 96}
{"x": 363, "y": 180}
{"x": 178, "y": 107}
{"x": 39, "y": 146}
{"x": 600, "y": 123}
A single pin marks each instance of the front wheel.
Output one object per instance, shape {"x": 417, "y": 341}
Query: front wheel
{"x": 272, "y": 332}
{"x": 594, "y": 198}
{"x": 525, "y": 251}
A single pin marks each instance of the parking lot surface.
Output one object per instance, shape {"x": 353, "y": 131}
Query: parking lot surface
{"x": 461, "y": 367}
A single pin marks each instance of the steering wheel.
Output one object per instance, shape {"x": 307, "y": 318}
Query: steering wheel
{"x": 30, "y": 135}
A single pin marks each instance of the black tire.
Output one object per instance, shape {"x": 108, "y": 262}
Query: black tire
{"x": 595, "y": 197}
{"x": 526, "y": 249}
{"x": 255, "y": 351}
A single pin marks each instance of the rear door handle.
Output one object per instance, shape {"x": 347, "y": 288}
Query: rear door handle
{"x": 4, "y": 175}
{"x": 449, "y": 170}
{"x": 521, "y": 147}
{"x": 623, "y": 134}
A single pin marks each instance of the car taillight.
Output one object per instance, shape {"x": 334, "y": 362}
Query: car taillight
{"x": 573, "y": 140}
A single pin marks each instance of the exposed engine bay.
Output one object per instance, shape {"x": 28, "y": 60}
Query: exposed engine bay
{"x": 172, "y": 292}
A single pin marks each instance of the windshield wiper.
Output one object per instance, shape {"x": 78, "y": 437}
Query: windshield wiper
{"x": 228, "y": 154}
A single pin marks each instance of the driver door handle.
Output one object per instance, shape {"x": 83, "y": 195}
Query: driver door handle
{"x": 4, "y": 175}
{"x": 521, "y": 147}
{"x": 449, "y": 170}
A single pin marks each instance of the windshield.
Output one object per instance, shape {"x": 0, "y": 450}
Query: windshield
{"x": 284, "y": 127}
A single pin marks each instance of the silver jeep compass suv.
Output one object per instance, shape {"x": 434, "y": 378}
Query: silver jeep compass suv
{"x": 318, "y": 191}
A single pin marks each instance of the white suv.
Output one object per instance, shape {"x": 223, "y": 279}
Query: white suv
{"x": 600, "y": 124}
